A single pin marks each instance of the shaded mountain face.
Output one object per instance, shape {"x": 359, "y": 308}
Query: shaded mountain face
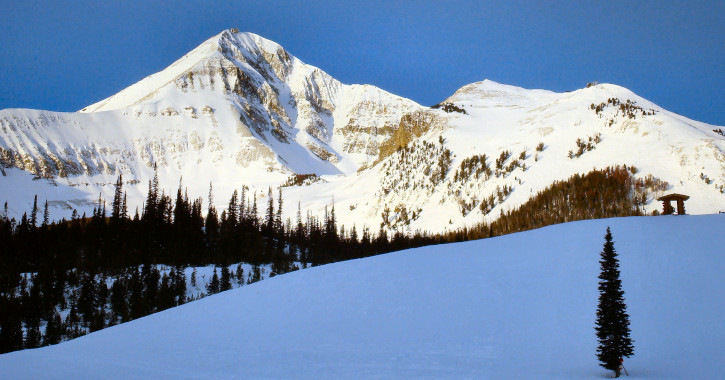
{"x": 239, "y": 110}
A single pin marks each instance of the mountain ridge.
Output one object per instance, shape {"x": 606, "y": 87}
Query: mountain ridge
{"x": 240, "y": 110}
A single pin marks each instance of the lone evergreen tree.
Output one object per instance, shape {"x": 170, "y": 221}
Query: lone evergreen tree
{"x": 612, "y": 319}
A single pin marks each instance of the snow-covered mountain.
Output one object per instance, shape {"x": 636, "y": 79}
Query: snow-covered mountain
{"x": 240, "y": 110}
{"x": 519, "y": 306}
{"x": 539, "y": 137}
{"x": 236, "y": 110}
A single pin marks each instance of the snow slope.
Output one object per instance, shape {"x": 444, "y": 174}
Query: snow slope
{"x": 686, "y": 155}
{"x": 502, "y": 117}
{"x": 516, "y": 306}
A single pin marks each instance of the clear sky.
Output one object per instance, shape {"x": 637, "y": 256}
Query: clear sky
{"x": 64, "y": 55}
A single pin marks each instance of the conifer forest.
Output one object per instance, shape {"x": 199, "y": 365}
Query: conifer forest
{"x": 63, "y": 279}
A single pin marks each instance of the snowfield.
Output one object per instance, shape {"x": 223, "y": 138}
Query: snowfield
{"x": 517, "y": 306}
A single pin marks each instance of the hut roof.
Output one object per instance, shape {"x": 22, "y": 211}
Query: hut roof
{"x": 673, "y": 197}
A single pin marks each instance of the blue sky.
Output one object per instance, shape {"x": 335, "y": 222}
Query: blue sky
{"x": 65, "y": 55}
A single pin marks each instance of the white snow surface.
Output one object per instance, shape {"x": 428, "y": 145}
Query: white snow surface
{"x": 520, "y": 306}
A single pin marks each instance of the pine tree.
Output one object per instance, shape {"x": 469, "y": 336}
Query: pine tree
{"x": 255, "y": 276}
{"x": 213, "y": 286}
{"x": 119, "y": 304}
{"x": 612, "y": 323}
{"x": 53, "y": 330}
{"x": 211, "y": 224}
{"x": 166, "y": 294}
{"x": 100, "y": 212}
{"x": 233, "y": 209}
{"x": 225, "y": 283}
{"x": 242, "y": 199}
{"x": 124, "y": 207}
{"x": 46, "y": 215}
{"x": 118, "y": 197}
{"x": 179, "y": 284}
{"x": 152, "y": 213}
{"x": 278, "y": 217}
{"x": 34, "y": 214}
{"x": 32, "y": 335}
{"x": 255, "y": 213}
{"x": 87, "y": 297}
{"x": 269, "y": 224}
{"x": 240, "y": 274}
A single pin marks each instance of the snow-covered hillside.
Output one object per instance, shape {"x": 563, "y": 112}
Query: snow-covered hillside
{"x": 516, "y": 306}
{"x": 240, "y": 110}
{"x": 537, "y": 133}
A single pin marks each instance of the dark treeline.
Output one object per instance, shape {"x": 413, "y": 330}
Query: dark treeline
{"x": 182, "y": 232}
{"x": 104, "y": 269}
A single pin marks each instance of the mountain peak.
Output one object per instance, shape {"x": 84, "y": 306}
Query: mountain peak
{"x": 221, "y": 53}
{"x": 490, "y": 91}
{"x": 250, "y": 42}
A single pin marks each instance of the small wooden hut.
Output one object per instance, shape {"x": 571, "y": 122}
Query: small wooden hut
{"x": 667, "y": 205}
